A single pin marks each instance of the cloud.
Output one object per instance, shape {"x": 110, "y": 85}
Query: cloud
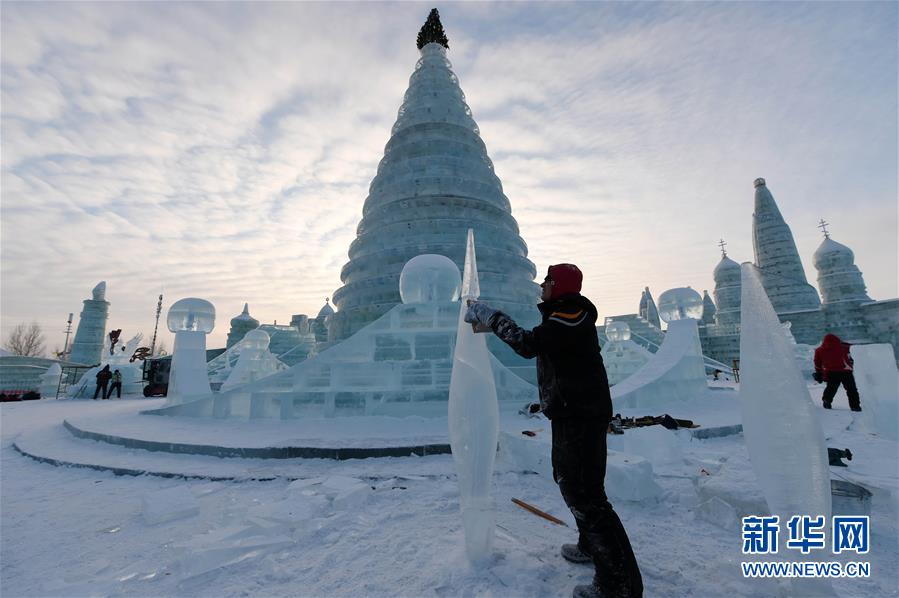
{"x": 225, "y": 150}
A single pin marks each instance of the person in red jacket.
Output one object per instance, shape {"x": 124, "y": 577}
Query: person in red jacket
{"x": 834, "y": 366}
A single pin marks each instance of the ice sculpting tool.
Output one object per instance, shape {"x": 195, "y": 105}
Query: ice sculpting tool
{"x": 538, "y": 512}
{"x": 473, "y": 421}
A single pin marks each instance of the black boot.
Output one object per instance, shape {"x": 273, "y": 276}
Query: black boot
{"x": 574, "y": 554}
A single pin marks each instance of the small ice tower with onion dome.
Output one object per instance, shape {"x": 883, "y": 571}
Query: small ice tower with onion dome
{"x": 191, "y": 320}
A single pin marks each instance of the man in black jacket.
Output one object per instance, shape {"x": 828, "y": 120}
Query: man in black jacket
{"x": 574, "y": 395}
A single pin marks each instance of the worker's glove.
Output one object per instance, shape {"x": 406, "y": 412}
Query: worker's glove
{"x": 818, "y": 377}
{"x": 479, "y": 313}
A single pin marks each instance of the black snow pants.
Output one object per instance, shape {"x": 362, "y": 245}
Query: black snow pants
{"x": 579, "y": 468}
{"x": 834, "y": 379}
{"x": 101, "y": 386}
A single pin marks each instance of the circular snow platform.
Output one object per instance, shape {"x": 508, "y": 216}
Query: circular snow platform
{"x": 130, "y": 443}
{"x": 332, "y": 438}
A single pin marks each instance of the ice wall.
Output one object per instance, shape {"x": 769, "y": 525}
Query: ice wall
{"x": 878, "y": 388}
{"x": 782, "y": 432}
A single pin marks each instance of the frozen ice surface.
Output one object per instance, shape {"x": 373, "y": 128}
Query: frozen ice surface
{"x": 429, "y": 277}
{"x": 675, "y": 373}
{"x": 168, "y": 505}
{"x": 783, "y": 435}
{"x": 473, "y": 423}
{"x": 728, "y": 483}
{"x": 878, "y": 388}
{"x": 628, "y": 477}
{"x": 680, "y": 304}
{"x": 656, "y": 444}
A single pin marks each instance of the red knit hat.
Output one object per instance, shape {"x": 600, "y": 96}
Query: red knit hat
{"x": 567, "y": 279}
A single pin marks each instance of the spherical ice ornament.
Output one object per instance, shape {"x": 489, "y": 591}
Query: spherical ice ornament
{"x": 430, "y": 277}
{"x": 256, "y": 339}
{"x": 680, "y": 304}
{"x": 618, "y": 331}
{"x": 191, "y": 314}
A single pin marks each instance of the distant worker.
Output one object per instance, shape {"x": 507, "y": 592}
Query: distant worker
{"x": 574, "y": 395}
{"x": 116, "y": 384}
{"x": 103, "y": 377}
{"x": 833, "y": 365}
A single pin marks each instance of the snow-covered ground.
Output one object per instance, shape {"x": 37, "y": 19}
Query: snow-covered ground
{"x": 380, "y": 527}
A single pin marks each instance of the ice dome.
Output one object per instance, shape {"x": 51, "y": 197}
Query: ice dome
{"x": 618, "y": 331}
{"x": 256, "y": 339}
{"x": 326, "y": 309}
{"x": 680, "y": 304}
{"x": 245, "y": 316}
{"x": 430, "y": 277}
{"x": 830, "y": 254}
{"x": 191, "y": 314}
{"x": 725, "y": 268}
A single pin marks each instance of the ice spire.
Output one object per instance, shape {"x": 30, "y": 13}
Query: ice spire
{"x": 648, "y": 310}
{"x": 471, "y": 288}
{"x": 434, "y": 182}
{"x": 708, "y": 309}
{"x": 782, "y": 275}
{"x": 473, "y": 420}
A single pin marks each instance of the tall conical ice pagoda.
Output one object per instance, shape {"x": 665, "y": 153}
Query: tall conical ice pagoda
{"x": 793, "y": 298}
{"x": 434, "y": 182}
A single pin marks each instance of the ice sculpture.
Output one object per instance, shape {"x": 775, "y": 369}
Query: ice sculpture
{"x": 781, "y": 271}
{"x": 622, "y": 356}
{"x": 399, "y": 365}
{"x": 130, "y": 371}
{"x": 255, "y": 360}
{"x": 88, "y": 344}
{"x": 680, "y": 304}
{"x": 50, "y": 381}
{"x": 191, "y": 320}
{"x": 429, "y": 277}
{"x": 473, "y": 422}
{"x": 878, "y": 381}
{"x": 676, "y": 372}
{"x": 434, "y": 182}
{"x": 780, "y": 427}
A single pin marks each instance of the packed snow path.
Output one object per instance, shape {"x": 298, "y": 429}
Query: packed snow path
{"x": 77, "y": 532}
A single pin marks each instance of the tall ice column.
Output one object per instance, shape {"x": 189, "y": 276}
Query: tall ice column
{"x": 473, "y": 422}
{"x": 88, "y": 343}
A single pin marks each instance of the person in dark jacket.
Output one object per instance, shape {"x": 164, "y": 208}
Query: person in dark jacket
{"x": 574, "y": 395}
{"x": 833, "y": 365}
{"x": 103, "y": 377}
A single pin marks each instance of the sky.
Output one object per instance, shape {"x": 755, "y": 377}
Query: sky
{"x": 224, "y": 150}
